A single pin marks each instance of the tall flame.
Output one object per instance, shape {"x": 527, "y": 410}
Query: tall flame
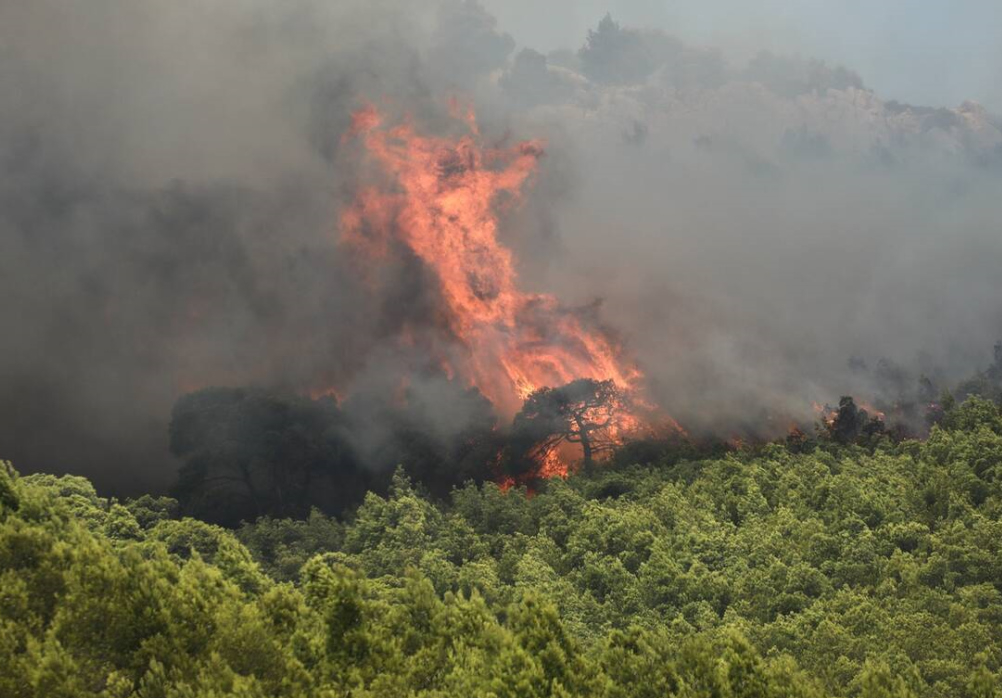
{"x": 443, "y": 203}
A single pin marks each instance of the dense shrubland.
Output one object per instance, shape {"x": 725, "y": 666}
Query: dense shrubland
{"x": 250, "y": 452}
{"x": 770, "y": 571}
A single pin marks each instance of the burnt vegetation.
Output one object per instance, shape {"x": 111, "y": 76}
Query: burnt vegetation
{"x": 585, "y": 412}
{"x": 249, "y": 452}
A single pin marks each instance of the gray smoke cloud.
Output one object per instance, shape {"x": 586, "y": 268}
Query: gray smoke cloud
{"x": 171, "y": 176}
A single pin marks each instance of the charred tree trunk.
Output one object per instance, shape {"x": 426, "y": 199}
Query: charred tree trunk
{"x": 586, "y": 449}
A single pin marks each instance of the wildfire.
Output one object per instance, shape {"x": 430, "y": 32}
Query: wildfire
{"x": 441, "y": 199}
{"x": 443, "y": 202}
{"x": 828, "y": 414}
{"x": 825, "y": 413}
{"x": 871, "y": 409}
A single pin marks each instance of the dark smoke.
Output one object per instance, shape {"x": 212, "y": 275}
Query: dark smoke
{"x": 171, "y": 176}
{"x": 168, "y": 208}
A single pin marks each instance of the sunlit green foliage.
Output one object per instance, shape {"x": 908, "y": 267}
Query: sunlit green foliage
{"x": 766, "y": 572}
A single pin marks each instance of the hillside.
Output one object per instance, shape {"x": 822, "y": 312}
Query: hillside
{"x": 765, "y": 572}
{"x": 772, "y": 107}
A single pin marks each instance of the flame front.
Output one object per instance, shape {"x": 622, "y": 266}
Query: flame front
{"x": 442, "y": 202}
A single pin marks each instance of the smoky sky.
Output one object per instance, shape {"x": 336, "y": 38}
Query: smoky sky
{"x": 171, "y": 177}
{"x": 934, "y": 52}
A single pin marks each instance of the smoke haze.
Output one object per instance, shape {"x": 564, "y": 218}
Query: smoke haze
{"x": 171, "y": 177}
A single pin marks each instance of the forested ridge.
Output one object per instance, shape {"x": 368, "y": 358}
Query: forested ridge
{"x": 787, "y": 569}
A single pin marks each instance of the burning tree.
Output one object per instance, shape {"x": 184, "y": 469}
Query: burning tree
{"x": 443, "y": 208}
{"x": 851, "y": 424}
{"x": 437, "y": 201}
{"x": 586, "y": 412}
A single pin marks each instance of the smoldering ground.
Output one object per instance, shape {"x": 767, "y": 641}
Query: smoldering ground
{"x": 171, "y": 177}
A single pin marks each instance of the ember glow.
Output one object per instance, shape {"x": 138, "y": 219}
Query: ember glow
{"x": 441, "y": 198}
{"x": 443, "y": 202}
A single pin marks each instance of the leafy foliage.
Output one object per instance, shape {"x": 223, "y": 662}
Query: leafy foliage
{"x": 842, "y": 571}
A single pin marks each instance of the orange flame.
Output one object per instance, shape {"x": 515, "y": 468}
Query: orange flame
{"x": 870, "y": 409}
{"x": 443, "y": 204}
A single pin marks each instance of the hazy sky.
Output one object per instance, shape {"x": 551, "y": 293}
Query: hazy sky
{"x": 933, "y": 52}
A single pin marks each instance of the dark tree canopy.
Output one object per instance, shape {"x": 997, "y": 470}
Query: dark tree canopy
{"x": 585, "y": 412}
{"x": 249, "y": 452}
{"x": 853, "y": 424}
{"x": 443, "y": 435}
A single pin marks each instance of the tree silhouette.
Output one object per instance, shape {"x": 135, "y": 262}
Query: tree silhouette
{"x": 585, "y": 412}
{"x": 853, "y": 424}
{"x": 613, "y": 54}
{"x": 249, "y": 452}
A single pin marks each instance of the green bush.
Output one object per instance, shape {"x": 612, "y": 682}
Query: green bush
{"x": 757, "y": 573}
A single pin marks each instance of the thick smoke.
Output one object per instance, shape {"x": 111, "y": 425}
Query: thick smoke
{"x": 171, "y": 176}
{"x": 168, "y": 219}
